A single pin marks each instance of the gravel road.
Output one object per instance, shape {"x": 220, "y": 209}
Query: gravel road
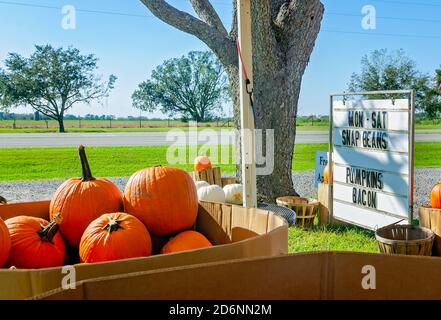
{"x": 42, "y": 190}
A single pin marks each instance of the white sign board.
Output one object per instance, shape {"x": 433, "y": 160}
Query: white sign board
{"x": 321, "y": 160}
{"x": 372, "y": 143}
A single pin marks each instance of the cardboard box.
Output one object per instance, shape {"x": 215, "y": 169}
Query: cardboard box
{"x": 237, "y": 232}
{"x": 321, "y": 275}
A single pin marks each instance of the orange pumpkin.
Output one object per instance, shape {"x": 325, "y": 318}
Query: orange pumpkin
{"x": 187, "y": 240}
{"x": 5, "y": 243}
{"x": 82, "y": 200}
{"x": 163, "y": 198}
{"x": 35, "y": 243}
{"x": 435, "y": 196}
{"x": 326, "y": 175}
{"x": 201, "y": 163}
{"x": 115, "y": 236}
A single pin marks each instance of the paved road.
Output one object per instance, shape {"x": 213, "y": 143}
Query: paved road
{"x": 27, "y": 140}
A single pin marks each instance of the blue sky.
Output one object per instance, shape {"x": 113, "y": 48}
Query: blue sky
{"x": 131, "y": 46}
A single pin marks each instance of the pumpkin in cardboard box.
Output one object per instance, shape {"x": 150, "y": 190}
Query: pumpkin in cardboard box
{"x": 79, "y": 201}
{"x": 187, "y": 240}
{"x": 163, "y": 198}
{"x": 115, "y": 236}
{"x": 5, "y": 243}
{"x": 35, "y": 243}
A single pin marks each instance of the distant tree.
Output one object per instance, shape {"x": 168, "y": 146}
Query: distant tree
{"x": 52, "y": 80}
{"x": 431, "y": 101}
{"x": 382, "y": 70}
{"x": 191, "y": 87}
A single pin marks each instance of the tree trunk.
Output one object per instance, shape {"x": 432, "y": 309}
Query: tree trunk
{"x": 61, "y": 125}
{"x": 283, "y": 37}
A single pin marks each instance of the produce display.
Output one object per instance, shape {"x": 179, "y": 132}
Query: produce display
{"x": 35, "y": 243}
{"x": 435, "y": 196}
{"x": 92, "y": 222}
{"x": 200, "y": 184}
{"x": 201, "y": 163}
{"x": 212, "y": 193}
{"x": 187, "y": 240}
{"x": 326, "y": 175}
{"x": 115, "y": 236}
{"x": 234, "y": 193}
{"x": 82, "y": 200}
{"x": 5, "y": 243}
{"x": 163, "y": 198}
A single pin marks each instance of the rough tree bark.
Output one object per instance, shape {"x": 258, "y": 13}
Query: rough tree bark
{"x": 284, "y": 35}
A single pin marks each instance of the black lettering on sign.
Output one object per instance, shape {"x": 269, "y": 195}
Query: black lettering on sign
{"x": 365, "y": 178}
{"x": 379, "y": 120}
{"x": 356, "y": 119}
{"x": 350, "y": 138}
{"x": 366, "y": 198}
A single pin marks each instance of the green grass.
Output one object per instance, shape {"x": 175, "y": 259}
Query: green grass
{"x": 60, "y": 163}
{"x": 332, "y": 237}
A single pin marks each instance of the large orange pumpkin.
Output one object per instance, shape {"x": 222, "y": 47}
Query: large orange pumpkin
{"x": 201, "y": 163}
{"x": 5, "y": 243}
{"x": 163, "y": 198}
{"x": 115, "y": 236}
{"x": 82, "y": 200}
{"x": 187, "y": 240}
{"x": 435, "y": 196}
{"x": 35, "y": 243}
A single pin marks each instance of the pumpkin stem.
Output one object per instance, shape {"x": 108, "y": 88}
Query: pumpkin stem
{"x": 47, "y": 233}
{"x": 3, "y": 200}
{"x": 87, "y": 174}
{"x": 113, "y": 225}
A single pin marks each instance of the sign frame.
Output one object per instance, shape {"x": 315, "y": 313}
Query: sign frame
{"x": 410, "y": 94}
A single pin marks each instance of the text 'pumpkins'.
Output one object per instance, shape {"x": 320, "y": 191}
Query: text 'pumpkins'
{"x": 115, "y": 236}
{"x": 163, "y": 198}
{"x": 82, "y": 200}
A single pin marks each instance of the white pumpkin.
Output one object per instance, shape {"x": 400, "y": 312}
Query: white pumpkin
{"x": 200, "y": 184}
{"x": 212, "y": 193}
{"x": 233, "y": 193}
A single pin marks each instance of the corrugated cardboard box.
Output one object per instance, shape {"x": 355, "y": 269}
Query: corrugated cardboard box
{"x": 237, "y": 232}
{"x": 322, "y": 275}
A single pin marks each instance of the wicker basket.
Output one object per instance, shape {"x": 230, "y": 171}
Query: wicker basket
{"x": 431, "y": 218}
{"x": 305, "y": 209}
{"x": 405, "y": 239}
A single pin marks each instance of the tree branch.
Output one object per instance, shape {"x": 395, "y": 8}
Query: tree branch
{"x": 218, "y": 42}
{"x": 206, "y": 12}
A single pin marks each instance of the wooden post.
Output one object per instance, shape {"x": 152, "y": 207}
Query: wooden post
{"x": 246, "y": 113}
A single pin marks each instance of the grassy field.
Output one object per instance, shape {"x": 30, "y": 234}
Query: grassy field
{"x": 332, "y": 237}
{"x": 31, "y": 126}
{"x": 54, "y": 163}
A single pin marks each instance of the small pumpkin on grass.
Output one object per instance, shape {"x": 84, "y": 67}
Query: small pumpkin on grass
{"x": 435, "y": 196}
{"x": 201, "y": 163}
{"x": 115, "y": 236}
{"x": 5, "y": 243}
{"x": 187, "y": 240}
{"x": 81, "y": 200}
{"x": 35, "y": 243}
{"x": 163, "y": 198}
